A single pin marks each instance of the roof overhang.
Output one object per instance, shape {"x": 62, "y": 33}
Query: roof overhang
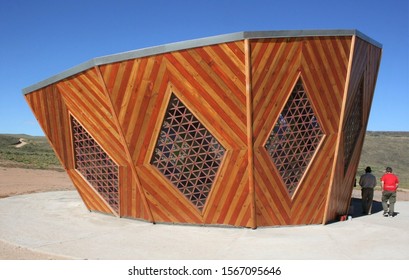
{"x": 213, "y": 40}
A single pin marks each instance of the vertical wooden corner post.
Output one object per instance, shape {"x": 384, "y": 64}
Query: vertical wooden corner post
{"x": 250, "y": 145}
{"x": 326, "y": 218}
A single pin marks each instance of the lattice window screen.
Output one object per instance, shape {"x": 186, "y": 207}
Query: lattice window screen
{"x": 294, "y": 138}
{"x": 95, "y": 165}
{"x": 187, "y": 154}
{"x": 353, "y": 126}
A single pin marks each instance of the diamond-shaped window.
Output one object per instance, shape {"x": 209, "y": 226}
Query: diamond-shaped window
{"x": 294, "y": 138}
{"x": 95, "y": 165}
{"x": 187, "y": 154}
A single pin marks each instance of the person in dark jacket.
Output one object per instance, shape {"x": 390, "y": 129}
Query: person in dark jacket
{"x": 367, "y": 183}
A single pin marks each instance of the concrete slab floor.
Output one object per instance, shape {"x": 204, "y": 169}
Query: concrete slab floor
{"x": 58, "y": 223}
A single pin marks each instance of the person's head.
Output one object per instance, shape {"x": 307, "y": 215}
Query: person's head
{"x": 388, "y": 169}
{"x": 368, "y": 169}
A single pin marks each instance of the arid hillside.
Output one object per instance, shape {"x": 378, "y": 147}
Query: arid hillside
{"x": 381, "y": 149}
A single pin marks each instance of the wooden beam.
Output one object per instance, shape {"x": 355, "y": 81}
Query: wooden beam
{"x": 339, "y": 133}
{"x": 250, "y": 146}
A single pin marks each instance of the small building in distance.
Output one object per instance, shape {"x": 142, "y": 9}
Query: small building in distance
{"x": 246, "y": 129}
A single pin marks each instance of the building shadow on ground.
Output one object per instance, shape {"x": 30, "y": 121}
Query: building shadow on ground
{"x": 355, "y": 209}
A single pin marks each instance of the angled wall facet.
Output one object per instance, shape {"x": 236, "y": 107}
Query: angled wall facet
{"x": 240, "y": 149}
{"x": 95, "y": 165}
{"x": 364, "y": 64}
{"x": 294, "y": 138}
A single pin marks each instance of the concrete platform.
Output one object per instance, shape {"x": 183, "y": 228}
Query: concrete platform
{"x": 58, "y": 223}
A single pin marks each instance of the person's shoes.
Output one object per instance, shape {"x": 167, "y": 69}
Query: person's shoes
{"x": 385, "y": 214}
{"x": 391, "y": 215}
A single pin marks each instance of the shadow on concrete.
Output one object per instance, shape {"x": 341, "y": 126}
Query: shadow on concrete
{"x": 356, "y": 207}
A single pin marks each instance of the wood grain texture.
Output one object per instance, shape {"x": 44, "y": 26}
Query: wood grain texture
{"x": 91, "y": 198}
{"x": 277, "y": 65}
{"x": 210, "y": 81}
{"x": 52, "y": 115}
{"x": 237, "y": 90}
{"x": 364, "y": 66}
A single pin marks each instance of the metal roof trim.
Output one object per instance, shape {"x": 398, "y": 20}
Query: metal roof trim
{"x": 61, "y": 76}
{"x": 309, "y": 33}
{"x": 207, "y": 41}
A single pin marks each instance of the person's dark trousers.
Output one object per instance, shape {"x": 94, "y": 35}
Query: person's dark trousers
{"x": 391, "y": 197}
{"x": 367, "y": 198}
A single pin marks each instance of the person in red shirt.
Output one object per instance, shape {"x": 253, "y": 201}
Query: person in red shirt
{"x": 390, "y": 184}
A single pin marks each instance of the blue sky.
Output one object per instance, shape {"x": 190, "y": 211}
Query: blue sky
{"x": 41, "y": 38}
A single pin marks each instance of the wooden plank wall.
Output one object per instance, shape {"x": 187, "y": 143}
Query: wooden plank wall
{"x": 131, "y": 98}
{"x": 277, "y": 64}
{"x": 81, "y": 96}
{"x": 210, "y": 81}
{"x": 53, "y": 116}
{"x": 365, "y": 65}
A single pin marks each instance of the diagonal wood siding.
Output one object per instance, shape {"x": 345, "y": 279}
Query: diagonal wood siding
{"x": 365, "y": 65}
{"x": 210, "y": 81}
{"x": 277, "y": 64}
{"x": 122, "y": 106}
{"x": 52, "y": 115}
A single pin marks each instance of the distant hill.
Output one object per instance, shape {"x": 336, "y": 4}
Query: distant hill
{"x": 20, "y": 150}
{"x": 381, "y": 149}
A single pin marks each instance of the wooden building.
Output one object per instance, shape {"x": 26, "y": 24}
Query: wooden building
{"x": 247, "y": 129}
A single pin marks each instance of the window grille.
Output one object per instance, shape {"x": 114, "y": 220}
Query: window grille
{"x": 353, "y": 126}
{"x": 294, "y": 138}
{"x": 187, "y": 153}
{"x": 95, "y": 165}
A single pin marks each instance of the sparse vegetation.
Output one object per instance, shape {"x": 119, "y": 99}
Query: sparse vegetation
{"x": 381, "y": 149}
{"x": 37, "y": 153}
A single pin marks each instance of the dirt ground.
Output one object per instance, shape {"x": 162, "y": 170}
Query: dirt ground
{"x": 16, "y": 181}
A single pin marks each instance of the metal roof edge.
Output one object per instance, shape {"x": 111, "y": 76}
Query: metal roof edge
{"x": 136, "y": 54}
{"x": 299, "y": 33}
{"x": 207, "y": 41}
{"x": 61, "y": 76}
{"x": 368, "y": 39}
{"x": 310, "y": 33}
